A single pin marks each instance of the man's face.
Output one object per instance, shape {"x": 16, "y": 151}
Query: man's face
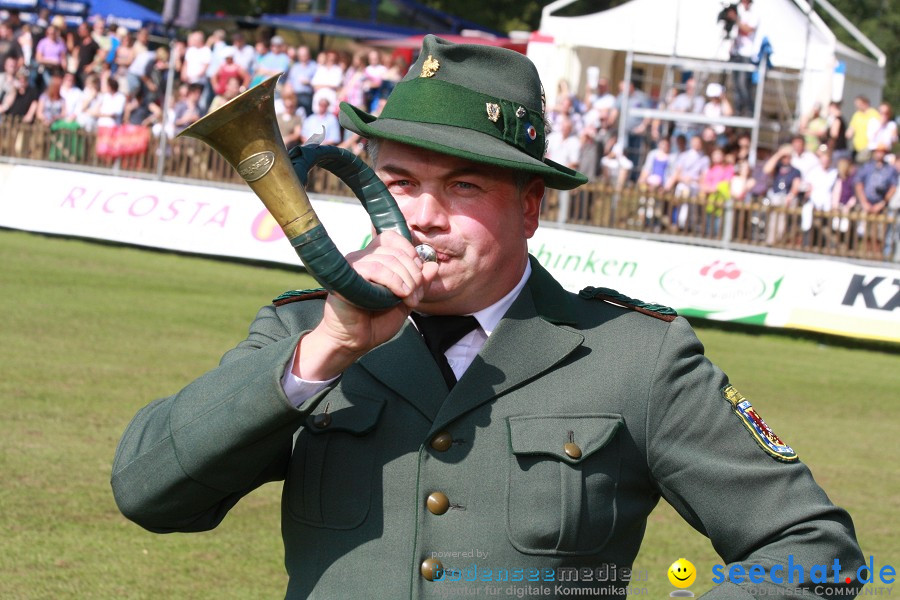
{"x": 798, "y": 145}
{"x": 474, "y": 216}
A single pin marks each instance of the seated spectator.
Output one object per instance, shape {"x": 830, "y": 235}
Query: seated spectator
{"x": 327, "y": 80}
{"x": 111, "y": 106}
{"x": 883, "y": 130}
{"x": 290, "y": 123}
{"x": 51, "y": 105}
{"x": 875, "y": 182}
{"x": 784, "y": 191}
{"x": 616, "y": 165}
{"x": 563, "y": 145}
{"x": 689, "y": 169}
{"x": 244, "y": 53}
{"x": 802, "y": 159}
{"x": 565, "y": 107}
{"x": 354, "y": 88}
{"x": 23, "y": 103}
{"x": 125, "y": 52}
{"x": 741, "y": 183}
{"x": 843, "y": 200}
{"x": 689, "y": 102}
{"x": 322, "y": 120}
{"x": 9, "y": 47}
{"x": 187, "y": 110}
{"x": 375, "y": 73}
{"x": 232, "y": 89}
{"x": 820, "y": 182}
{"x": 589, "y": 153}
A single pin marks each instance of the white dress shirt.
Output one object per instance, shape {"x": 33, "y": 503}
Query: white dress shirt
{"x": 460, "y": 355}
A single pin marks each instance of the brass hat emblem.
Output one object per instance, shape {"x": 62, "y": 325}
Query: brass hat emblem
{"x": 430, "y": 67}
{"x": 520, "y": 112}
{"x": 493, "y": 111}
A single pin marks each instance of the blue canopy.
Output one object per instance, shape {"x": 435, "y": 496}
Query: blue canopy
{"x": 125, "y": 13}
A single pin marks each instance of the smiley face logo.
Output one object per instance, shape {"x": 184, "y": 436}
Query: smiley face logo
{"x": 682, "y": 573}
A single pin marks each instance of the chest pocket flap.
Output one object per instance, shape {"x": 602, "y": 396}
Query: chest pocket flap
{"x": 550, "y": 435}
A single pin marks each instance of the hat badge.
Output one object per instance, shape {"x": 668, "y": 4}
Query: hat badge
{"x": 493, "y": 111}
{"x": 430, "y": 67}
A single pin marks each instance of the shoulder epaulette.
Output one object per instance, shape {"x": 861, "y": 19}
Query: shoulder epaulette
{"x": 299, "y": 295}
{"x": 658, "y": 311}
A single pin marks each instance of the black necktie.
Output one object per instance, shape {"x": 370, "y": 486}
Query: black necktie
{"x": 441, "y": 332}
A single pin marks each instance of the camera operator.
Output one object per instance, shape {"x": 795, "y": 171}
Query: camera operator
{"x": 743, "y": 50}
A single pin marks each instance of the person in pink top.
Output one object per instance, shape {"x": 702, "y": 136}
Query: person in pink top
{"x": 50, "y": 54}
{"x": 716, "y": 184}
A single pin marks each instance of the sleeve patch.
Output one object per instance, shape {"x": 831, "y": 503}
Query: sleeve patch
{"x": 299, "y": 295}
{"x": 758, "y": 428}
{"x": 658, "y": 311}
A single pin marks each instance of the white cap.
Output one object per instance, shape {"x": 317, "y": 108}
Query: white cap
{"x": 714, "y": 90}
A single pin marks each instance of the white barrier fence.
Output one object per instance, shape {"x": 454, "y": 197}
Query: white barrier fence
{"x": 812, "y": 294}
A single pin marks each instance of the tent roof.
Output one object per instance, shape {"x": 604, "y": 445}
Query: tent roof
{"x": 126, "y": 13}
{"x": 689, "y": 28}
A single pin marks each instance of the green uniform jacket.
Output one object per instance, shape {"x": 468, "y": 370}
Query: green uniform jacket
{"x": 633, "y": 393}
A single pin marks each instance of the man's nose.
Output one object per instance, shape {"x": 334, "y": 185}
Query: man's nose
{"x": 426, "y": 212}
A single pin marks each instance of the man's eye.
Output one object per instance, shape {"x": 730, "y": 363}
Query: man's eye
{"x": 399, "y": 183}
{"x": 465, "y": 185}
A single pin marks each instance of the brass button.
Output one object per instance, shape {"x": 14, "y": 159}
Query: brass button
{"x": 322, "y": 420}
{"x": 572, "y": 450}
{"x": 431, "y": 569}
{"x": 438, "y": 503}
{"x": 442, "y": 441}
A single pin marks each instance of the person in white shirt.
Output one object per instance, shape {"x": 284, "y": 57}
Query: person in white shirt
{"x": 322, "y": 119}
{"x": 883, "y": 130}
{"x": 820, "y": 180}
{"x": 744, "y": 50}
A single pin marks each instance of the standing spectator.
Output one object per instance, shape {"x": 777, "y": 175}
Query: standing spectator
{"x": 26, "y": 42}
{"x": 228, "y": 70}
{"x": 821, "y": 181}
{"x": 71, "y": 95}
{"x": 87, "y": 52}
{"x": 290, "y": 124}
{"x": 565, "y": 107}
{"x": 716, "y": 185}
{"x": 883, "y": 130}
{"x": 657, "y": 167}
{"x": 111, "y": 104}
{"x": 322, "y": 119}
{"x": 244, "y": 54}
{"x": 376, "y": 73}
{"x": 783, "y": 193}
{"x": 8, "y": 77}
{"x": 742, "y": 182}
{"x": 125, "y": 53}
{"x": 892, "y": 235}
{"x": 876, "y": 183}
{"x": 9, "y": 47}
{"x": 101, "y": 36}
{"x": 813, "y": 127}
{"x": 139, "y": 70}
{"x": 197, "y": 56}
{"x": 616, "y": 165}
{"x": 717, "y": 106}
{"x": 271, "y": 63}
{"x": 688, "y": 102}
{"x": 836, "y": 136}
{"x": 300, "y": 77}
{"x": 51, "y": 54}
{"x": 635, "y": 127}
{"x": 141, "y": 41}
{"x": 844, "y": 200}
{"x": 328, "y": 78}
{"x": 743, "y": 51}
{"x": 858, "y": 130}
{"x": 23, "y": 103}
{"x": 353, "y": 91}
{"x": 802, "y": 159}
{"x": 589, "y": 153}
{"x": 563, "y": 145}
{"x": 90, "y": 102}
{"x": 689, "y": 170}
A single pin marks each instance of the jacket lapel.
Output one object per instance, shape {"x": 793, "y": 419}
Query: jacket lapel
{"x": 405, "y": 365}
{"x": 527, "y": 342}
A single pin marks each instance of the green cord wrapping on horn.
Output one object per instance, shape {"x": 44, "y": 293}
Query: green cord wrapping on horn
{"x": 321, "y": 257}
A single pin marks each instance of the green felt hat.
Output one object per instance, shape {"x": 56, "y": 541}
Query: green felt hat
{"x": 476, "y": 102}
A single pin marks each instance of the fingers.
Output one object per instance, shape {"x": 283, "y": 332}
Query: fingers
{"x": 390, "y": 260}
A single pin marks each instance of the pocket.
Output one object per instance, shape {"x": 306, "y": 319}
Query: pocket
{"x": 563, "y": 475}
{"x": 329, "y": 482}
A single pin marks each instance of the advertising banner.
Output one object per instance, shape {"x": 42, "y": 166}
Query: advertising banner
{"x": 811, "y": 294}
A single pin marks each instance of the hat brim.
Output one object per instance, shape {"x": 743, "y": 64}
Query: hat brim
{"x": 460, "y": 142}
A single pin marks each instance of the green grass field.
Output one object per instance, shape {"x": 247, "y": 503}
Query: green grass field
{"x": 93, "y": 332}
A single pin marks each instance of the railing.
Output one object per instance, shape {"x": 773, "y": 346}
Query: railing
{"x": 722, "y": 221}
{"x": 599, "y": 204}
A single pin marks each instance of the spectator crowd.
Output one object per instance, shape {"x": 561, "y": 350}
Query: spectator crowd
{"x": 95, "y": 79}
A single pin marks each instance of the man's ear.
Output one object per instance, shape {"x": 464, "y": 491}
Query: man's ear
{"x": 532, "y": 196}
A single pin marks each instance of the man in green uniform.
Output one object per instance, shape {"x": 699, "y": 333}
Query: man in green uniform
{"x": 536, "y": 439}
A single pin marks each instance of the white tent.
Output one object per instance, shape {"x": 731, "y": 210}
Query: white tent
{"x": 689, "y": 29}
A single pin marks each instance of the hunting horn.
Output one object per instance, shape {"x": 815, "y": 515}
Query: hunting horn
{"x": 245, "y": 132}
